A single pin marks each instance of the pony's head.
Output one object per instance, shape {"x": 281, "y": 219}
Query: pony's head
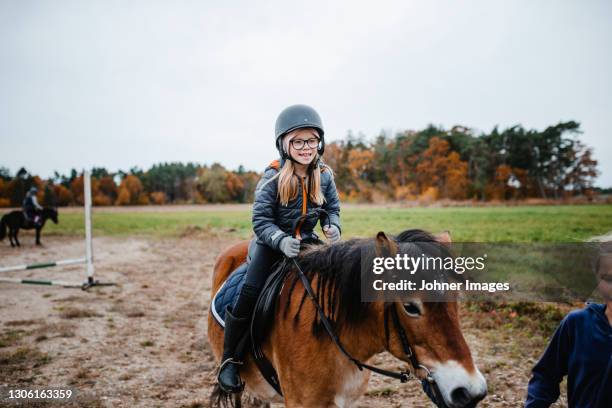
{"x": 50, "y": 213}
{"x": 432, "y": 328}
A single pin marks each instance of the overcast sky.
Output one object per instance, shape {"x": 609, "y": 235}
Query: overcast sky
{"x": 132, "y": 83}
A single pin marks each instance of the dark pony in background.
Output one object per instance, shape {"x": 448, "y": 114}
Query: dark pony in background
{"x": 16, "y": 220}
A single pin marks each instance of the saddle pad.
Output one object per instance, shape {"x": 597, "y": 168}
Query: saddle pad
{"x": 228, "y": 293}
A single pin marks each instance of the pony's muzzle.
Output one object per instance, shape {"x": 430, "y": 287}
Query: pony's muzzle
{"x": 460, "y": 388}
{"x": 461, "y": 397}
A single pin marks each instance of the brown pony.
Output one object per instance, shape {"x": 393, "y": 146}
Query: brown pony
{"x": 311, "y": 369}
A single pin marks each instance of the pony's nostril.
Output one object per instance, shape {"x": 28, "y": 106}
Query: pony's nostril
{"x": 460, "y": 396}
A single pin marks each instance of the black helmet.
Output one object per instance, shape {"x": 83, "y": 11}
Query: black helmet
{"x": 297, "y": 117}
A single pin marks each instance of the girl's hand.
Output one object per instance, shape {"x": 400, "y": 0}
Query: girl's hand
{"x": 332, "y": 233}
{"x": 290, "y": 246}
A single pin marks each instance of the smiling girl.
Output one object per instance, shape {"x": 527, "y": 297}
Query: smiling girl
{"x": 299, "y": 181}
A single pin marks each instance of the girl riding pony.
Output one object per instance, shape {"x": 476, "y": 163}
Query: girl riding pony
{"x": 299, "y": 181}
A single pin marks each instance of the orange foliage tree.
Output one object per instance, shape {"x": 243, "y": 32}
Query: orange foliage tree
{"x": 130, "y": 192}
{"x": 5, "y": 201}
{"x": 63, "y": 196}
{"x": 442, "y": 169}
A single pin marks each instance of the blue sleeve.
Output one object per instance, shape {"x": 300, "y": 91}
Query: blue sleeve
{"x": 264, "y": 211}
{"x": 543, "y": 388}
{"x": 332, "y": 204}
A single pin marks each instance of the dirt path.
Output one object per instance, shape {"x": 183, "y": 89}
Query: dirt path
{"x": 143, "y": 343}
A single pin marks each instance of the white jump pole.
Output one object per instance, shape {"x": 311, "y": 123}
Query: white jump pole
{"x": 43, "y": 265}
{"x": 43, "y": 282}
{"x": 88, "y": 238}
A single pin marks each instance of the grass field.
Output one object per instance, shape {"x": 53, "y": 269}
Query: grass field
{"x": 477, "y": 224}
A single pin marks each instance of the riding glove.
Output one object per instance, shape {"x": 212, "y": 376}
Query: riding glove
{"x": 332, "y": 233}
{"x": 290, "y": 246}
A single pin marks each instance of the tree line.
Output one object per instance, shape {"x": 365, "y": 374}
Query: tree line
{"x": 458, "y": 164}
{"x": 163, "y": 183}
{"x": 430, "y": 164}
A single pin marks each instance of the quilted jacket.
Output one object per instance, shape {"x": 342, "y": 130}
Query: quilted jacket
{"x": 273, "y": 221}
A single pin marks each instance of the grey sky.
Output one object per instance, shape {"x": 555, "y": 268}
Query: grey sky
{"x": 118, "y": 83}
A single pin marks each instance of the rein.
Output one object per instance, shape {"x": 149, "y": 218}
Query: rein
{"x": 403, "y": 376}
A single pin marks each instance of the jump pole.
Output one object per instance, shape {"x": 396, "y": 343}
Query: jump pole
{"x": 88, "y": 260}
{"x": 44, "y": 282}
{"x": 43, "y": 265}
{"x": 88, "y": 239}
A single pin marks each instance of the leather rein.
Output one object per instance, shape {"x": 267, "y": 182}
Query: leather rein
{"x": 403, "y": 376}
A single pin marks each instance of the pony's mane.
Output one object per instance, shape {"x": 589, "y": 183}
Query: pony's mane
{"x": 338, "y": 270}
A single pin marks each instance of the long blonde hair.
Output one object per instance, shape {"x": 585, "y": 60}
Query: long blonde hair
{"x": 289, "y": 183}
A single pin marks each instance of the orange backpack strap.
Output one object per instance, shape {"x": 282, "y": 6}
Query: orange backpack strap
{"x": 275, "y": 164}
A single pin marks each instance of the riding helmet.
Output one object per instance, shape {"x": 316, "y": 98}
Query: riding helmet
{"x": 297, "y": 117}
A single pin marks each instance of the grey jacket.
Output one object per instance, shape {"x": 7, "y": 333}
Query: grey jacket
{"x": 272, "y": 221}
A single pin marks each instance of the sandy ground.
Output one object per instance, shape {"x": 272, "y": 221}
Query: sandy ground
{"x": 143, "y": 342}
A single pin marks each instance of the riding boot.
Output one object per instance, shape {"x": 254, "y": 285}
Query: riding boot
{"x": 234, "y": 334}
{"x": 235, "y": 339}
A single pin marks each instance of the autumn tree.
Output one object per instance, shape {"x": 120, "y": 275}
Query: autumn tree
{"x": 4, "y": 194}
{"x": 130, "y": 192}
{"x": 63, "y": 196}
{"x": 443, "y": 170}
{"x": 581, "y": 171}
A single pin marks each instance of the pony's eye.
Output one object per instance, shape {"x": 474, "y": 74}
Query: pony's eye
{"x": 412, "y": 309}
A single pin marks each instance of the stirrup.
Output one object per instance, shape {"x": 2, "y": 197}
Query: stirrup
{"x": 223, "y": 364}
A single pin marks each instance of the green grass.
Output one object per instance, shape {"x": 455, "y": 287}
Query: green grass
{"x": 481, "y": 224}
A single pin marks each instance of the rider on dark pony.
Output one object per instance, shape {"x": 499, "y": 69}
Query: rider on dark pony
{"x": 31, "y": 208}
{"x": 289, "y": 188}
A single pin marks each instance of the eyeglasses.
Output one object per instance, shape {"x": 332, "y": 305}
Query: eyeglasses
{"x": 299, "y": 144}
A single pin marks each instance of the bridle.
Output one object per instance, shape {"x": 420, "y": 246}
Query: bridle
{"x": 403, "y": 376}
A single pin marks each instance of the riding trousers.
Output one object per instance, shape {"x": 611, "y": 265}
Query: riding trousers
{"x": 258, "y": 270}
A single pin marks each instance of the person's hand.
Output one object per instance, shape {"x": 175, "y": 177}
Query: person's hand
{"x": 332, "y": 233}
{"x": 290, "y": 246}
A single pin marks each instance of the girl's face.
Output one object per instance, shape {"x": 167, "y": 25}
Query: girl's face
{"x": 303, "y": 146}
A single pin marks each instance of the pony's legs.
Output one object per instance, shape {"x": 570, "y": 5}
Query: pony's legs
{"x": 15, "y": 236}
{"x": 10, "y": 234}
{"x": 38, "y": 236}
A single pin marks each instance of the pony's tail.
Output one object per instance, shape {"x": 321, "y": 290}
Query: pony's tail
{"x": 222, "y": 399}
{"x": 2, "y": 227}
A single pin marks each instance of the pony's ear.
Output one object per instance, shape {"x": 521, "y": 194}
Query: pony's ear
{"x": 444, "y": 238}
{"x": 385, "y": 246}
